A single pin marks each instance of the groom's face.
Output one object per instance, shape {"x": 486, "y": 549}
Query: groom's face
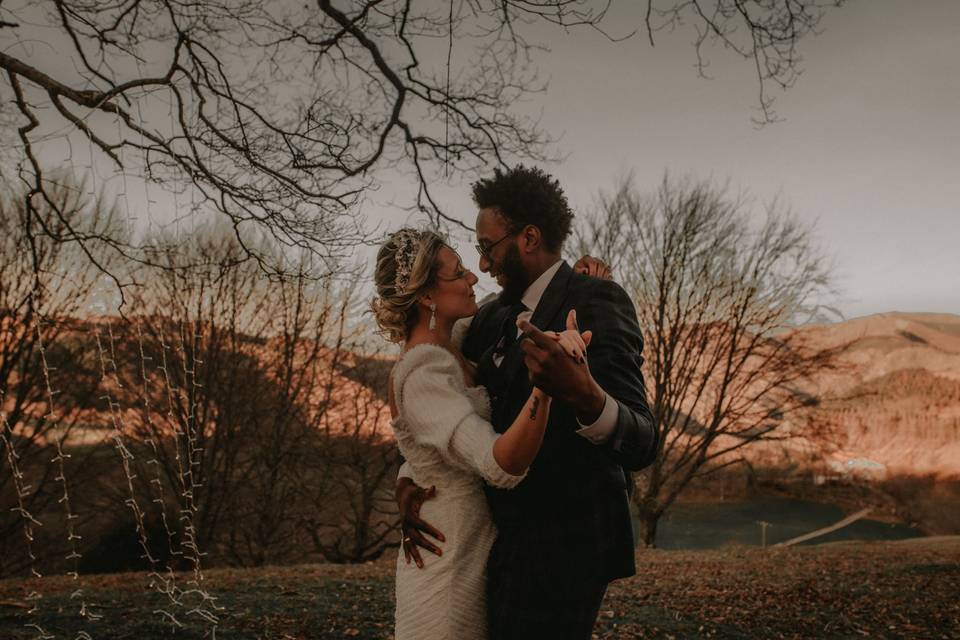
{"x": 499, "y": 255}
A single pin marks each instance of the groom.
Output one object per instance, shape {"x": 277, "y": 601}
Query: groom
{"x": 565, "y": 531}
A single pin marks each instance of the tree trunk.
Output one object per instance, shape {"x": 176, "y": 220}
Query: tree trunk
{"x": 648, "y": 528}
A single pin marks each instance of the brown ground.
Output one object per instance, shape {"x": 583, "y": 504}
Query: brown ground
{"x": 907, "y": 589}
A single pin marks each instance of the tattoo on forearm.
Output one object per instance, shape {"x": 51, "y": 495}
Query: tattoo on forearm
{"x": 533, "y": 409}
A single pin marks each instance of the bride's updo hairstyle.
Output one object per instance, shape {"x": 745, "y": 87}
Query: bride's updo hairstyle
{"x": 406, "y": 265}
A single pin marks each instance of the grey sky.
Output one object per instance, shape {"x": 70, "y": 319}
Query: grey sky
{"x": 869, "y": 149}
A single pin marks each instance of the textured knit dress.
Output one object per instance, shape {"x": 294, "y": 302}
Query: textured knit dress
{"x": 443, "y": 431}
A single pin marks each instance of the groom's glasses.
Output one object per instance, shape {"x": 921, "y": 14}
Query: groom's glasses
{"x": 484, "y": 251}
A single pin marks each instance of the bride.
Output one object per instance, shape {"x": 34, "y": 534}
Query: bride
{"x": 441, "y": 423}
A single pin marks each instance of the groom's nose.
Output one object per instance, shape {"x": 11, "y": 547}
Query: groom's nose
{"x": 485, "y": 264}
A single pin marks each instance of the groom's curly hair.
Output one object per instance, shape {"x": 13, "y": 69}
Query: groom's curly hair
{"x": 527, "y": 195}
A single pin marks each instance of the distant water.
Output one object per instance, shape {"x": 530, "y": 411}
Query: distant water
{"x": 716, "y": 524}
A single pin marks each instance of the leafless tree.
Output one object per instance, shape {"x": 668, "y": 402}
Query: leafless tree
{"x": 765, "y": 33}
{"x": 719, "y": 296}
{"x": 310, "y": 341}
{"x": 44, "y": 374}
{"x": 216, "y": 390}
{"x": 356, "y": 519}
{"x": 221, "y": 377}
{"x": 279, "y": 115}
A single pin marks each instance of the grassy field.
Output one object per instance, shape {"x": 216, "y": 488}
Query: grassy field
{"x": 908, "y": 589}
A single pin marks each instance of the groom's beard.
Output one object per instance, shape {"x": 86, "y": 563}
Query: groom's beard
{"x": 514, "y": 277}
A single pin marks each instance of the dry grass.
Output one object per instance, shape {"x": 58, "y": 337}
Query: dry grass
{"x": 905, "y": 589}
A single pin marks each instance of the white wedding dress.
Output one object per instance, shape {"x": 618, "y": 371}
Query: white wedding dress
{"x": 444, "y": 433}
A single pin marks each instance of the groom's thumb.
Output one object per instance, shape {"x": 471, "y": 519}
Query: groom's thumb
{"x": 587, "y": 336}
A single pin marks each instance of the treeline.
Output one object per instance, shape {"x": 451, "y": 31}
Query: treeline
{"x": 228, "y": 416}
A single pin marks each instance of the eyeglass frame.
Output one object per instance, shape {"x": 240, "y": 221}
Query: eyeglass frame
{"x": 485, "y": 253}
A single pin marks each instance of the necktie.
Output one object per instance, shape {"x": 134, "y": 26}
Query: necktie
{"x": 508, "y": 332}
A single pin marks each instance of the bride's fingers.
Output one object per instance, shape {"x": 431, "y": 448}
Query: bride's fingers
{"x": 573, "y": 342}
{"x": 576, "y": 339}
{"x": 573, "y": 347}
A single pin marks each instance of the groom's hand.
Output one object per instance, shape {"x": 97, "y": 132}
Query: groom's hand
{"x": 410, "y": 497}
{"x": 559, "y": 375}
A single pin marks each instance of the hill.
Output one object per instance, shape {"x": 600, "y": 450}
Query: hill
{"x": 892, "y": 407}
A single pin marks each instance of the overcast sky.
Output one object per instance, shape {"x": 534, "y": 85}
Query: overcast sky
{"x": 869, "y": 148}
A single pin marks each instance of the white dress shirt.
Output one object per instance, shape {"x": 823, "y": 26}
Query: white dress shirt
{"x": 602, "y": 428}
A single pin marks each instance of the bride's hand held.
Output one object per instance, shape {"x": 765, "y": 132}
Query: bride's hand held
{"x": 571, "y": 340}
{"x": 551, "y": 369}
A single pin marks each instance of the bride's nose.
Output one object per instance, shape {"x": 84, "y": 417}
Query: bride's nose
{"x": 472, "y": 278}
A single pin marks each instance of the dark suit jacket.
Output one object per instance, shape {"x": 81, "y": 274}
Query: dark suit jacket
{"x": 573, "y": 501}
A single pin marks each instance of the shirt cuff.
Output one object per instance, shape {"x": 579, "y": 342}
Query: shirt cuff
{"x": 405, "y": 471}
{"x": 604, "y": 426}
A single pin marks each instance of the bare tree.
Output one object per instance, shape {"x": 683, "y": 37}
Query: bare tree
{"x": 280, "y": 115}
{"x": 307, "y": 345}
{"x": 216, "y": 393}
{"x": 718, "y": 296}
{"x": 356, "y": 519}
{"x": 44, "y": 374}
{"x": 219, "y": 384}
{"x": 763, "y": 33}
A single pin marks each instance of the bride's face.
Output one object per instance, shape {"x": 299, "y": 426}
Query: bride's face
{"x": 453, "y": 292}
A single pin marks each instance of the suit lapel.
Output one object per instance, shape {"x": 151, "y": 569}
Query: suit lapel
{"x": 542, "y": 318}
{"x": 552, "y": 299}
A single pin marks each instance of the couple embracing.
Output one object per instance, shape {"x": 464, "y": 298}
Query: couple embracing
{"x": 518, "y": 420}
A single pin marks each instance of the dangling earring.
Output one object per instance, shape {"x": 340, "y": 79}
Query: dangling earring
{"x": 433, "y": 316}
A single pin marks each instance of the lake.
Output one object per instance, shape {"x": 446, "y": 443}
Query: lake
{"x": 716, "y": 524}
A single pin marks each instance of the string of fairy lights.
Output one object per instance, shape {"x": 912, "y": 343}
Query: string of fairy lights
{"x": 166, "y": 582}
{"x": 188, "y": 602}
{"x": 59, "y": 460}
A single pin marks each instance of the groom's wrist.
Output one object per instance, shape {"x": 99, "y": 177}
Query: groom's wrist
{"x": 403, "y": 485}
{"x": 589, "y": 405}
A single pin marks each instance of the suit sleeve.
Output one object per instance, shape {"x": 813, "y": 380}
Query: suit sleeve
{"x": 615, "y": 359}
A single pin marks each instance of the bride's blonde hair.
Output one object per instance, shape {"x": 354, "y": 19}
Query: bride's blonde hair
{"x": 406, "y": 265}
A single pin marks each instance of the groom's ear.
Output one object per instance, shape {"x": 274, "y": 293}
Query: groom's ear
{"x": 530, "y": 239}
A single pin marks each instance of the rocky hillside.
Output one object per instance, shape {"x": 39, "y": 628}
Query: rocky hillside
{"x": 893, "y": 406}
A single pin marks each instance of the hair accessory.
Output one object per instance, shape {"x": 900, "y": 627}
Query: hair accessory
{"x": 405, "y": 255}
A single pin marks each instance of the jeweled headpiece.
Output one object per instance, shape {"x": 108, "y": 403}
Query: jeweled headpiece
{"x": 408, "y": 243}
